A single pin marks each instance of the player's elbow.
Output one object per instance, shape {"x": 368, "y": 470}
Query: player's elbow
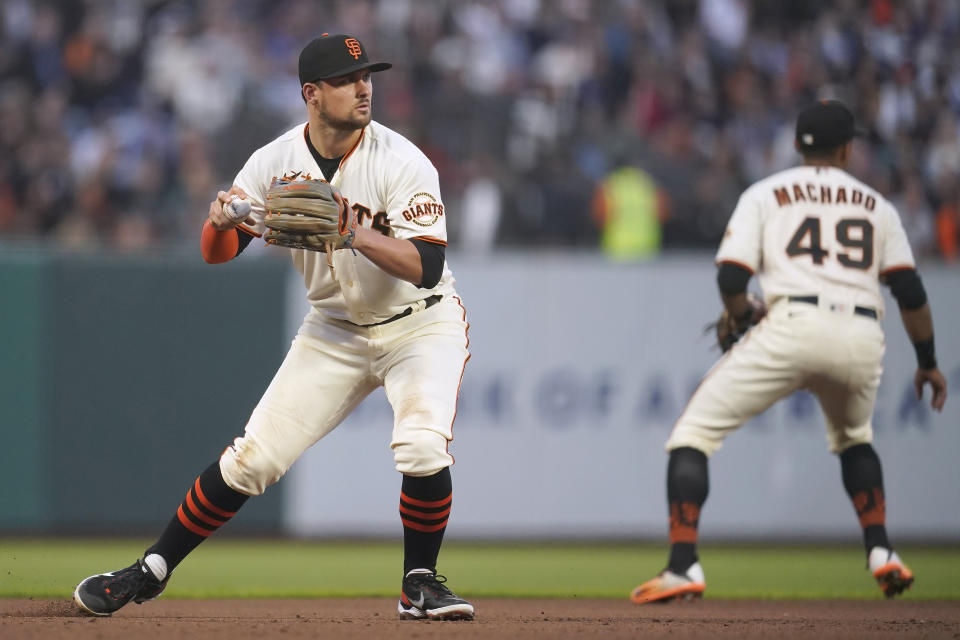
{"x": 430, "y": 279}
{"x": 432, "y": 258}
{"x": 732, "y": 279}
{"x": 907, "y": 288}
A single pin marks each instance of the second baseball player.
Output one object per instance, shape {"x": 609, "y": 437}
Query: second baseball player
{"x": 820, "y": 242}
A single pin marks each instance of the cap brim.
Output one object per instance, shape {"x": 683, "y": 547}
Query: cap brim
{"x": 372, "y": 66}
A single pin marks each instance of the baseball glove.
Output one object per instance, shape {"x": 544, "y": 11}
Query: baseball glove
{"x": 308, "y": 214}
{"x": 730, "y": 329}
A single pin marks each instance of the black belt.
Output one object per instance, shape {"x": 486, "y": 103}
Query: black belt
{"x": 860, "y": 311}
{"x": 427, "y": 303}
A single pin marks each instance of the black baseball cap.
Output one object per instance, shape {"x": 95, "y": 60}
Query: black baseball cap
{"x": 331, "y": 56}
{"x": 825, "y": 125}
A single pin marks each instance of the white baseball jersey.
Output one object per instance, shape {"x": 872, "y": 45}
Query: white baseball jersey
{"x": 394, "y": 189}
{"x": 821, "y": 236}
{"x": 344, "y": 349}
{"x": 816, "y": 231}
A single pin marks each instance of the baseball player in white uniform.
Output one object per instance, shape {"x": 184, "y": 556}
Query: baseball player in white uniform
{"x": 820, "y": 241}
{"x": 383, "y": 312}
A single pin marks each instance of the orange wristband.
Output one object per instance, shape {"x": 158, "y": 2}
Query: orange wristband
{"x": 218, "y": 246}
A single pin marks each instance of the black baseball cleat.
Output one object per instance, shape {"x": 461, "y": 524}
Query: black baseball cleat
{"x": 424, "y": 596}
{"x": 102, "y": 594}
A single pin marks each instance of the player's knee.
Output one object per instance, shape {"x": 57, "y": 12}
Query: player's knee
{"x": 421, "y": 452}
{"x": 703, "y": 441}
{"x": 842, "y": 440}
{"x": 248, "y": 468}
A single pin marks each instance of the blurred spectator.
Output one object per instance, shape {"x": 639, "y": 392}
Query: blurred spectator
{"x": 480, "y": 208}
{"x": 629, "y": 209}
{"x": 948, "y": 226}
{"x": 119, "y": 119}
{"x": 917, "y": 217}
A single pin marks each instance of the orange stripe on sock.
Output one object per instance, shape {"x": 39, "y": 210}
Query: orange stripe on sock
{"x": 209, "y": 505}
{"x": 425, "y": 528}
{"x": 683, "y": 534}
{"x": 185, "y": 521}
{"x": 424, "y": 514}
{"x": 871, "y": 507}
{"x": 684, "y": 518}
{"x": 872, "y": 518}
{"x": 425, "y": 503}
{"x": 195, "y": 510}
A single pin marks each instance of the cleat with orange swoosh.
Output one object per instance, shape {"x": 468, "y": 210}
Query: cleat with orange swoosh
{"x": 670, "y": 586}
{"x": 423, "y": 596}
{"x": 104, "y": 593}
{"x": 891, "y": 574}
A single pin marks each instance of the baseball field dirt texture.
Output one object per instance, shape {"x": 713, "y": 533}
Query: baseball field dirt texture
{"x": 496, "y": 618}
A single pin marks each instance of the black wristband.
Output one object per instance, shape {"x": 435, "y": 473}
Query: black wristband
{"x": 925, "y": 354}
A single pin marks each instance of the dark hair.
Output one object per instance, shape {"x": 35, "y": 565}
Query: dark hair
{"x": 823, "y": 153}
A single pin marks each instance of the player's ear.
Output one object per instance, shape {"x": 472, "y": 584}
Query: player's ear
{"x": 309, "y": 92}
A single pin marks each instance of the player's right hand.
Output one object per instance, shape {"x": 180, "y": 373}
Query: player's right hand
{"x": 938, "y": 384}
{"x": 218, "y": 219}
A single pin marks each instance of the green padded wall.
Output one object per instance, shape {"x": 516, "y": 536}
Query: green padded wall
{"x": 123, "y": 377}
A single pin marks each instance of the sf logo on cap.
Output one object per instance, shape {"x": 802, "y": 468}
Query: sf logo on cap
{"x": 353, "y": 47}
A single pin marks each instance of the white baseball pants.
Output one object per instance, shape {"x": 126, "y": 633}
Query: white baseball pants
{"x": 836, "y": 355}
{"x": 332, "y": 366}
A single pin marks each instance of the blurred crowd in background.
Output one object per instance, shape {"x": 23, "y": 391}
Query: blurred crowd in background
{"x": 628, "y": 125}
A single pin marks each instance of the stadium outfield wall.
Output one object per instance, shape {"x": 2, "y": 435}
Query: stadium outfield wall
{"x": 123, "y": 376}
{"x": 579, "y": 368}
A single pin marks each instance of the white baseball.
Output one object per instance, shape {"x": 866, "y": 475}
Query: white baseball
{"x": 237, "y": 209}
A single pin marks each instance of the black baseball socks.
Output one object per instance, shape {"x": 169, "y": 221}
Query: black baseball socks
{"x": 209, "y": 504}
{"x": 424, "y": 510}
{"x": 687, "y": 488}
{"x": 863, "y": 480}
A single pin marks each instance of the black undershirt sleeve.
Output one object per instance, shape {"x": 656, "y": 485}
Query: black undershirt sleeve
{"x": 432, "y": 257}
{"x": 732, "y": 278}
{"x": 906, "y": 286}
{"x": 244, "y": 240}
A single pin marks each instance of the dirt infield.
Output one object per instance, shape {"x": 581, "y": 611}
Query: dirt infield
{"x": 376, "y": 618}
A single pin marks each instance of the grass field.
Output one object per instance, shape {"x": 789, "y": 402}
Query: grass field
{"x": 227, "y": 568}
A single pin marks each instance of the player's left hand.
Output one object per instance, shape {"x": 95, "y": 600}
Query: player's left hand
{"x": 349, "y": 224}
{"x": 938, "y": 384}
{"x": 309, "y": 214}
{"x": 729, "y": 329}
